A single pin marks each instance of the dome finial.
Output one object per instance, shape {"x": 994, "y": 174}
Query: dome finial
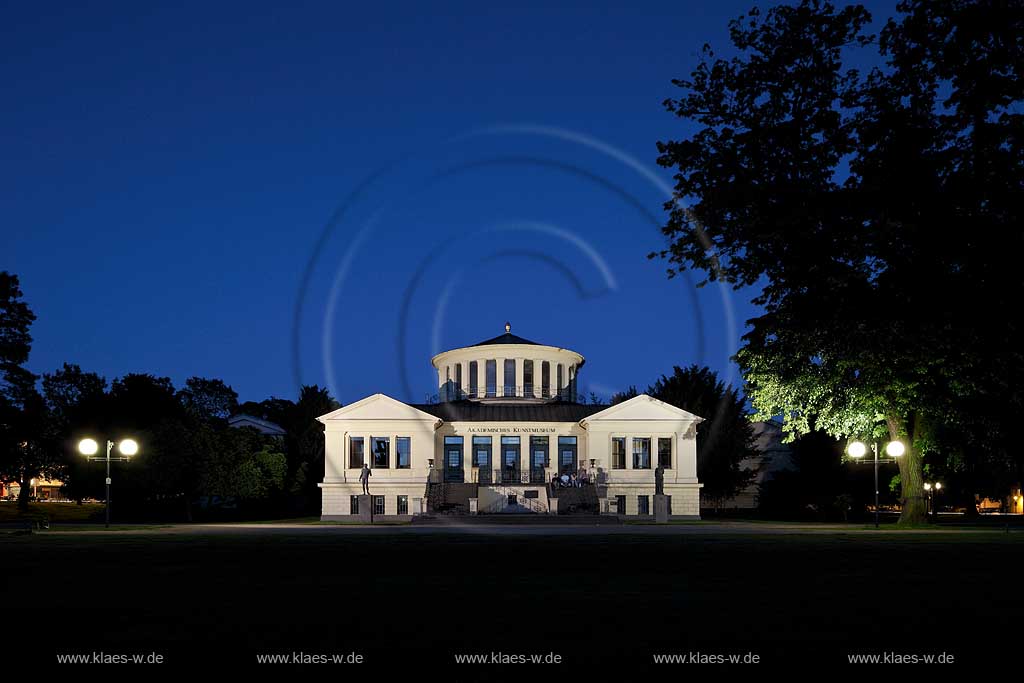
{"x": 508, "y": 327}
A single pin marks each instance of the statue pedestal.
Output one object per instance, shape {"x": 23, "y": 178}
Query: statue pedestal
{"x": 553, "y": 506}
{"x": 366, "y": 509}
{"x": 660, "y": 509}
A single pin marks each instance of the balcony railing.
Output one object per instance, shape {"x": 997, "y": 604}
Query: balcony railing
{"x": 451, "y": 392}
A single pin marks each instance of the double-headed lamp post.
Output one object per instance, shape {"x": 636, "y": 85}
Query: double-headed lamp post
{"x": 127, "y": 448}
{"x": 933, "y": 491}
{"x": 858, "y": 449}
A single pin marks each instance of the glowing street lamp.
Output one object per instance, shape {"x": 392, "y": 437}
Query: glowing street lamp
{"x": 858, "y": 449}
{"x": 933, "y": 491}
{"x": 89, "y": 448}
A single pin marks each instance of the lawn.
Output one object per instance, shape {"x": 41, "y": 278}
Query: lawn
{"x": 56, "y": 512}
{"x": 411, "y": 600}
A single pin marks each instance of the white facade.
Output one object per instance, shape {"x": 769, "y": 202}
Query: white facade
{"x": 494, "y": 444}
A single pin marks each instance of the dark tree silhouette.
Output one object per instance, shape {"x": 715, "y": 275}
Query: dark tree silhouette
{"x": 724, "y": 439}
{"x": 873, "y": 213}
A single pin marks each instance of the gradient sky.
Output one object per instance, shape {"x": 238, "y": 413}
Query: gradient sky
{"x": 331, "y": 193}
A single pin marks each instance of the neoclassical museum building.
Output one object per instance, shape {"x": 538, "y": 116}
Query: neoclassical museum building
{"x": 505, "y": 434}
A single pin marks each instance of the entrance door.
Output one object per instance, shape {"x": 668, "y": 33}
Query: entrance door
{"x": 453, "y": 471}
{"x": 510, "y": 459}
{"x": 567, "y": 458}
{"x": 538, "y": 458}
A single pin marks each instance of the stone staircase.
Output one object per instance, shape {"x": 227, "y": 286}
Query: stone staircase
{"x": 577, "y": 501}
{"x": 449, "y": 498}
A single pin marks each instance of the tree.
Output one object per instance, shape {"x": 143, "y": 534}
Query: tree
{"x": 305, "y": 441}
{"x": 726, "y": 437}
{"x": 209, "y": 399}
{"x": 26, "y": 444}
{"x": 77, "y": 403}
{"x": 870, "y": 212}
{"x": 16, "y": 318}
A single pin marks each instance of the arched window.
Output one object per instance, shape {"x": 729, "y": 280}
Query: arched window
{"x": 472, "y": 378}
{"x": 528, "y": 378}
{"x": 458, "y": 378}
{"x": 558, "y": 380}
{"x": 545, "y": 379}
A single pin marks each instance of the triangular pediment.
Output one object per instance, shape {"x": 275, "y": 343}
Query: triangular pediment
{"x": 377, "y": 407}
{"x": 643, "y": 407}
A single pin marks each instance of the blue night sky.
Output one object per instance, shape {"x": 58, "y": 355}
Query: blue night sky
{"x": 331, "y": 193}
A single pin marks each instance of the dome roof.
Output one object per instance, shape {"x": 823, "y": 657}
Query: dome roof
{"x": 507, "y": 338}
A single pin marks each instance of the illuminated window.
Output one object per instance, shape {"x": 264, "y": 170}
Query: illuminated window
{"x": 641, "y": 453}
{"x": 378, "y": 505}
{"x": 353, "y": 504}
{"x": 403, "y": 505}
{"x": 355, "y": 453}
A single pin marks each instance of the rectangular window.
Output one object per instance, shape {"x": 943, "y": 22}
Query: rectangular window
{"x": 643, "y": 505}
{"x": 545, "y": 379}
{"x": 458, "y": 378}
{"x": 510, "y": 377}
{"x": 528, "y": 378}
{"x": 378, "y": 505}
{"x": 620, "y": 505}
{"x": 665, "y": 453}
{"x": 355, "y": 453}
{"x": 473, "y": 378}
{"x": 402, "y": 505}
{"x": 381, "y": 451}
{"x": 618, "y": 452}
{"x": 403, "y": 452}
{"x": 641, "y": 453}
{"x": 539, "y": 457}
{"x": 558, "y": 379}
{"x": 491, "y": 370}
{"x": 482, "y": 451}
{"x": 353, "y": 504}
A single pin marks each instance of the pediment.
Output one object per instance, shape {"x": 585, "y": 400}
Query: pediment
{"x": 377, "y": 407}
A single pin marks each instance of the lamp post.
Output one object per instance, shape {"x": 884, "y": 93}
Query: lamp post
{"x": 127, "y": 448}
{"x": 857, "y": 449}
{"x": 932, "y": 490}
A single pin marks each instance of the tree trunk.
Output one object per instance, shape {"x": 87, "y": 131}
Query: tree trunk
{"x": 911, "y": 465}
{"x": 24, "y": 493}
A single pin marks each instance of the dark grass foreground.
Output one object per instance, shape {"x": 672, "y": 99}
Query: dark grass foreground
{"x": 413, "y": 602}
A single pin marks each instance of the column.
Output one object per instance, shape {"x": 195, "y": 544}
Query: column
{"x": 520, "y": 368}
